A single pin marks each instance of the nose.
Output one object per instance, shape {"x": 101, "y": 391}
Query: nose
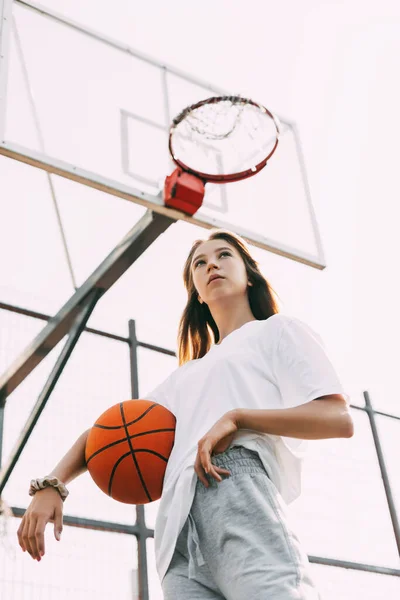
{"x": 211, "y": 266}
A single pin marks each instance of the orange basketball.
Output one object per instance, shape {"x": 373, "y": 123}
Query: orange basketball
{"x": 127, "y": 450}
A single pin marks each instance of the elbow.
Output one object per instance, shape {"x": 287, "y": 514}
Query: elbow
{"x": 346, "y": 422}
{"x": 339, "y": 415}
{"x": 347, "y": 428}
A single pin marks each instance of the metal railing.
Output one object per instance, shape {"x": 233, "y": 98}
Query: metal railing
{"x": 141, "y": 531}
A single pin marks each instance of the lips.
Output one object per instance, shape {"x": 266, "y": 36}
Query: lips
{"x": 214, "y": 277}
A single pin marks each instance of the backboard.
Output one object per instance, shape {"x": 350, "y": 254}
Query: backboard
{"x": 89, "y": 108}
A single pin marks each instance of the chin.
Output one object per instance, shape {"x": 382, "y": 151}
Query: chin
{"x": 223, "y": 297}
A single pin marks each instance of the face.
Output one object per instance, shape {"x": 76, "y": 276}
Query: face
{"x": 218, "y": 257}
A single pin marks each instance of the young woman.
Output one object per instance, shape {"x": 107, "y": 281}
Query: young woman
{"x": 251, "y": 387}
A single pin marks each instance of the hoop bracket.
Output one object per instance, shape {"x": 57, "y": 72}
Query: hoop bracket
{"x": 183, "y": 191}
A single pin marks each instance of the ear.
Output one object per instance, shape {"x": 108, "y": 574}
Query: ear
{"x": 200, "y": 300}
{"x": 249, "y": 284}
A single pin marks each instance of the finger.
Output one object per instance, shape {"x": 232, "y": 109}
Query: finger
{"x": 205, "y": 458}
{"x": 58, "y": 524}
{"x": 214, "y": 473}
{"x": 202, "y": 477}
{"x": 20, "y": 534}
{"x": 39, "y": 532}
{"x": 32, "y": 539}
{"x": 222, "y": 470}
{"x": 200, "y": 472}
{"x": 25, "y": 537}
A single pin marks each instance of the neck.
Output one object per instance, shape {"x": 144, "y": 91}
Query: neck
{"x": 228, "y": 317}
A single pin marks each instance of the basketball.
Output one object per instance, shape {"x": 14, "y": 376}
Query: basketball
{"x": 127, "y": 450}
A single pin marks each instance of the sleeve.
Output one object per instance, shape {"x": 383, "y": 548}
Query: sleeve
{"x": 301, "y": 365}
{"x": 163, "y": 393}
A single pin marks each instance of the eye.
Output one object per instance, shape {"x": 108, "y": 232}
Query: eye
{"x": 221, "y": 254}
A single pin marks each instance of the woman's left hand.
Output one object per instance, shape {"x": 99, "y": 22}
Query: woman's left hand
{"x": 217, "y": 439}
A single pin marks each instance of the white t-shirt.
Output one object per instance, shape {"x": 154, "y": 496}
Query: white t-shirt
{"x": 278, "y": 362}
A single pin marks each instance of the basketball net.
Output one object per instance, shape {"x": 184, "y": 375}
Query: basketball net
{"x": 220, "y": 140}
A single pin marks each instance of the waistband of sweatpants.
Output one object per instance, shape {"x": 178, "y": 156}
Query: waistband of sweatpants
{"x": 236, "y": 460}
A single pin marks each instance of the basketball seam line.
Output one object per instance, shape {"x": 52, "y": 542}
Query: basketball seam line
{"x": 128, "y": 424}
{"x": 121, "y": 458}
{"x": 110, "y": 482}
{"x": 135, "y": 435}
{"x": 121, "y": 407}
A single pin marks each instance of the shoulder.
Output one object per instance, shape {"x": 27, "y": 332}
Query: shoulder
{"x": 178, "y": 371}
{"x": 275, "y": 325}
{"x": 266, "y": 333}
{"x": 170, "y": 380}
{"x": 281, "y": 328}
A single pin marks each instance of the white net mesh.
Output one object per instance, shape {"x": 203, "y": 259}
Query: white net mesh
{"x": 224, "y": 137}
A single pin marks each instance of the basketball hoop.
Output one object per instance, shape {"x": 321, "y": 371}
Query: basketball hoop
{"x": 222, "y": 139}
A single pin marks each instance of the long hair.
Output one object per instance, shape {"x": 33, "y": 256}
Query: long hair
{"x": 197, "y": 328}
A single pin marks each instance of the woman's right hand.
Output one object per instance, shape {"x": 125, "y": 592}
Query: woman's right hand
{"x": 46, "y": 505}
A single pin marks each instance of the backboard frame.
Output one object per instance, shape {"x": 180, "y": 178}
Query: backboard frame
{"x": 113, "y": 187}
{"x": 5, "y": 30}
{"x": 125, "y": 117}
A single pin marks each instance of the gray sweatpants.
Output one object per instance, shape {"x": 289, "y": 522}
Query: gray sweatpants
{"x": 236, "y": 543}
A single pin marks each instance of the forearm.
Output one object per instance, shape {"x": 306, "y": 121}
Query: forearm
{"x": 73, "y": 463}
{"x": 315, "y": 420}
